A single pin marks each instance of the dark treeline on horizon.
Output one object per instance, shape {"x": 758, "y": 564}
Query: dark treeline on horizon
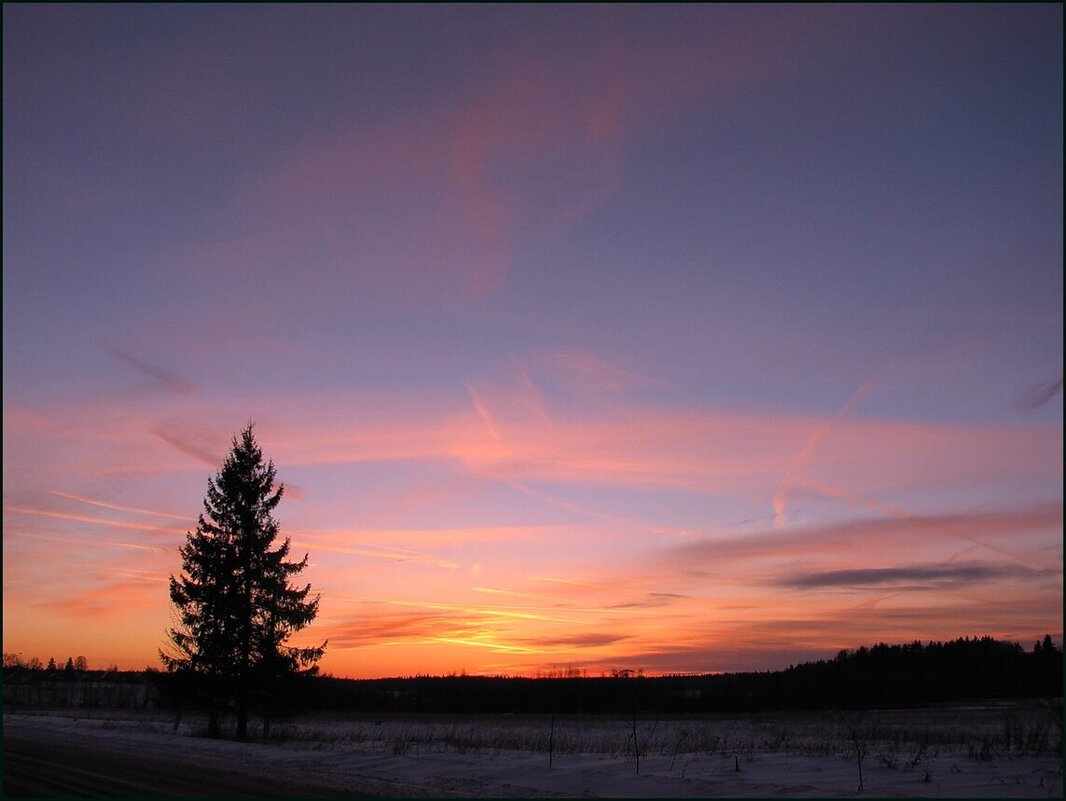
{"x": 880, "y": 676}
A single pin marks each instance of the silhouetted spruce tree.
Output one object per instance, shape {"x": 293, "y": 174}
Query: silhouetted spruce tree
{"x": 234, "y": 605}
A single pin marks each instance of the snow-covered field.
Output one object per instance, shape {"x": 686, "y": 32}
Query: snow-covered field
{"x": 995, "y": 751}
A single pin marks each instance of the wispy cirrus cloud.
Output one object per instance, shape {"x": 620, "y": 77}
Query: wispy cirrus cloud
{"x": 161, "y": 375}
{"x": 204, "y": 447}
{"x": 581, "y": 370}
{"x": 1040, "y": 395}
{"x": 385, "y": 629}
{"x": 497, "y": 628}
{"x": 865, "y": 535}
{"x": 916, "y": 576}
{"x": 626, "y": 445}
{"x": 578, "y": 641}
{"x": 63, "y": 544}
{"x": 431, "y": 205}
{"x": 342, "y": 545}
{"x": 110, "y": 600}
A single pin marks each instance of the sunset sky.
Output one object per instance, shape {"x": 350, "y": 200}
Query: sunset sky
{"x": 682, "y": 338}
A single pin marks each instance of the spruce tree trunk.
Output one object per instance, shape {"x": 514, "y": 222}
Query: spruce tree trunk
{"x": 212, "y": 724}
{"x": 242, "y": 720}
{"x": 247, "y": 613}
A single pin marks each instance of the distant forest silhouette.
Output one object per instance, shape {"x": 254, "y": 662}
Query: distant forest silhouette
{"x": 880, "y": 676}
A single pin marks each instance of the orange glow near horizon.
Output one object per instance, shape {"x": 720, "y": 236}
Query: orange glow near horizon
{"x": 577, "y": 587}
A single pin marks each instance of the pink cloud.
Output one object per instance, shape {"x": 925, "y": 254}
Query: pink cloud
{"x": 430, "y": 205}
{"x": 703, "y": 451}
{"x": 538, "y": 146}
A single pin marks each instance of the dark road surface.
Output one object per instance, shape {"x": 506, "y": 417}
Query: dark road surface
{"x": 37, "y": 766}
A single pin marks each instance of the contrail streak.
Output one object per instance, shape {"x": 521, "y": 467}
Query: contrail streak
{"x": 100, "y": 521}
{"x": 115, "y": 506}
{"x": 900, "y": 514}
{"x": 788, "y": 482}
{"x": 483, "y": 413}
